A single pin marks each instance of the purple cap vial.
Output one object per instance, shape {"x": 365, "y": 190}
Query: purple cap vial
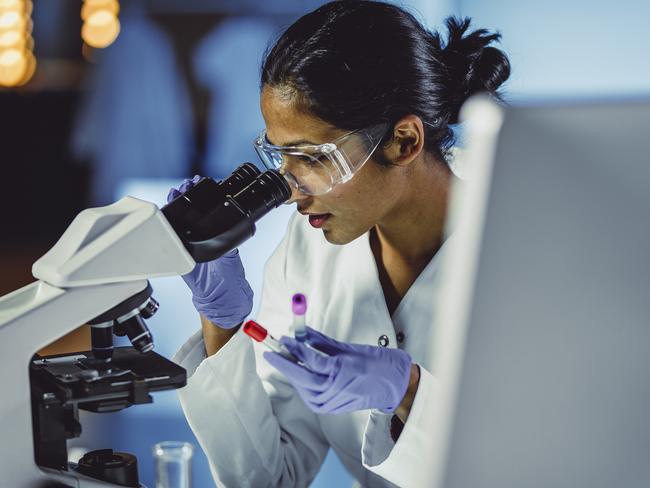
{"x": 299, "y": 304}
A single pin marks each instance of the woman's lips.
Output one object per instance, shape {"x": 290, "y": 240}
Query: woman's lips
{"x": 317, "y": 220}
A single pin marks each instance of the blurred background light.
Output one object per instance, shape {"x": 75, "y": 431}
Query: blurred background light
{"x": 17, "y": 61}
{"x": 100, "y": 23}
{"x": 14, "y": 39}
{"x": 90, "y": 7}
{"x": 13, "y": 66}
{"x": 30, "y": 68}
{"x": 13, "y": 20}
{"x": 20, "y": 5}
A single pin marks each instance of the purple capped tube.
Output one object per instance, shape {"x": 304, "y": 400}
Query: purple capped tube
{"x": 299, "y": 309}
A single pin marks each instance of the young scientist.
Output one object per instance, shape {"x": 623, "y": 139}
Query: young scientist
{"x": 358, "y": 99}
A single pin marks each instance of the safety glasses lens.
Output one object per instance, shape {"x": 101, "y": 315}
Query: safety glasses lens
{"x": 313, "y": 174}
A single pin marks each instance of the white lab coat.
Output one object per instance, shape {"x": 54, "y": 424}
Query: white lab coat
{"x": 251, "y": 423}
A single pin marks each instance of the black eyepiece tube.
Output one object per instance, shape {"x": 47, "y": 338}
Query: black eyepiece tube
{"x": 262, "y": 195}
{"x": 240, "y": 178}
{"x": 211, "y": 218}
{"x": 201, "y": 198}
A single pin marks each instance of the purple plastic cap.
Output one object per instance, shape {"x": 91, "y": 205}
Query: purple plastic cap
{"x": 299, "y": 304}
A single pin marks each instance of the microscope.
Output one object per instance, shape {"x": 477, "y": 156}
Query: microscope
{"x": 97, "y": 274}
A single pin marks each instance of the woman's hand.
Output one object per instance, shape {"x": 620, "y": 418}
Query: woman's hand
{"x": 220, "y": 292}
{"x": 348, "y": 377}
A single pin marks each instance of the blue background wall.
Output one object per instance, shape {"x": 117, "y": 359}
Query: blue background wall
{"x": 570, "y": 49}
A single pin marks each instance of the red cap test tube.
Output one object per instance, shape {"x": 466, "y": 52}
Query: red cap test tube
{"x": 260, "y": 334}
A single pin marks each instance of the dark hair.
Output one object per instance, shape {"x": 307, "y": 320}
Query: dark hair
{"x": 358, "y": 63}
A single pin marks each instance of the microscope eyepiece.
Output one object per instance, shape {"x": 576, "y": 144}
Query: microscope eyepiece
{"x": 211, "y": 218}
{"x": 240, "y": 178}
{"x": 266, "y": 192}
{"x": 201, "y": 198}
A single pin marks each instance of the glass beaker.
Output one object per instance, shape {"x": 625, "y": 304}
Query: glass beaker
{"x": 173, "y": 464}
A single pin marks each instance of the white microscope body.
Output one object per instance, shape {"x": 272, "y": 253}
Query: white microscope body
{"x": 97, "y": 274}
{"x": 104, "y": 257}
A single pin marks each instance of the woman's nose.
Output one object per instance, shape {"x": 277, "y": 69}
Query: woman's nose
{"x": 296, "y": 195}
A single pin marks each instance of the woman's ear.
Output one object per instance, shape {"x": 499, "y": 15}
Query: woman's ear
{"x": 407, "y": 142}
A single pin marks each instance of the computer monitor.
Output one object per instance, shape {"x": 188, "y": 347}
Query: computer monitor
{"x": 544, "y": 347}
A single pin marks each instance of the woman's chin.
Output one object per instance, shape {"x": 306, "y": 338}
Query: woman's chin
{"x": 336, "y": 235}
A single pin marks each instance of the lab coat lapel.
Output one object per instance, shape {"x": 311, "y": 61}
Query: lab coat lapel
{"x": 358, "y": 303}
{"x": 414, "y": 316}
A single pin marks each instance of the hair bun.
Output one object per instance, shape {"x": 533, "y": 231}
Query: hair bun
{"x": 471, "y": 64}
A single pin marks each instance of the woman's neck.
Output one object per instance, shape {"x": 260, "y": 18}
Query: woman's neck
{"x": 414, "y": 229}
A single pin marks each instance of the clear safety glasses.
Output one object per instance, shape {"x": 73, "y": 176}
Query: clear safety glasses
{"x": 315, "y": 169}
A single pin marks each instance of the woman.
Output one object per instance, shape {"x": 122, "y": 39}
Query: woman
{"x": 358, "y": 99}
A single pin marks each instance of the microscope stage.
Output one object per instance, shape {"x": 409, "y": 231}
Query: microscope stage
{"x": 105, "y": 387}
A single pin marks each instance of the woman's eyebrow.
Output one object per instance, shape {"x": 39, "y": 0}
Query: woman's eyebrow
{"x": 292, "y": 143}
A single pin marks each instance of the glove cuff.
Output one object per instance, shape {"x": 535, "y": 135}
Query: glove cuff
{"x": 402, "y": 363}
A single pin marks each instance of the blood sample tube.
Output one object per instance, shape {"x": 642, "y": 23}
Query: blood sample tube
{"x": 260, "y": 334}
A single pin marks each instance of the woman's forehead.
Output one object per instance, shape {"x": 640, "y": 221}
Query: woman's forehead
{"x": 289, "y": 125}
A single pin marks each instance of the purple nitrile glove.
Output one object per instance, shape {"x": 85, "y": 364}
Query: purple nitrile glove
{"x": 348, "y": 378}
{"x": 186, "y": 185}
{"x": 219, "y": 288}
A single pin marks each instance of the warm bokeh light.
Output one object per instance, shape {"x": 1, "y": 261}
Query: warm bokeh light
{"x": 13, "y": 66}
{"x": 17, "y": 61}
{"x": 91, "y": 6}
{"x": 12, "y": 20}
{"x": 100, "y": 23}
{"x": 11, "y": 39}
{"x": 30, "y": 69}
{"x": 16, "y": 40}
{"x": 19, "y": 5}
{"x": 100, "y": 29}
